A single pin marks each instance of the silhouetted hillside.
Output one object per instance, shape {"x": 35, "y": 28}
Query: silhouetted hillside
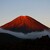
{"x": 9, "y": 42}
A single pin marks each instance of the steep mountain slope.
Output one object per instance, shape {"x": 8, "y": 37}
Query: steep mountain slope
{"x": 24, "y": 24}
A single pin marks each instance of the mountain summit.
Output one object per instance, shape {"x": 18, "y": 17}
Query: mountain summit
{"x": 24, "y": 24}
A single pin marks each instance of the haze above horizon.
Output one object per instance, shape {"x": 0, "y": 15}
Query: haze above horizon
{"x": 37, "y": 9}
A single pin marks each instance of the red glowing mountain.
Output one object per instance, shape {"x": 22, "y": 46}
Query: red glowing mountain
{"x": 24, "y": 24}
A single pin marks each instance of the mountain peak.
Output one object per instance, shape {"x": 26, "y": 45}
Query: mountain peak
{"x": 24, "y": 24}
{"x": 23, "y": 17}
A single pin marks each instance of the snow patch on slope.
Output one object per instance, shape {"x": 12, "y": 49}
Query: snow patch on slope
{"x": 31, "y": 35}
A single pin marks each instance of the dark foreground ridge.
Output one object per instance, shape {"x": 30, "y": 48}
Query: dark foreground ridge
{"x": 9, "y": 42}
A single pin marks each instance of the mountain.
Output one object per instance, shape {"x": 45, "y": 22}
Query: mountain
{"x": 24, "y": 24}
{"x": 12, "y": 37}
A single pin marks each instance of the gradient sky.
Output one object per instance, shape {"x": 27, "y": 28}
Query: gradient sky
{"x": 38, "y": 9}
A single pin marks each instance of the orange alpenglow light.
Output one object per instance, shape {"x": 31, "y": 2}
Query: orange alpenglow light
{"x": 24, "y": 24}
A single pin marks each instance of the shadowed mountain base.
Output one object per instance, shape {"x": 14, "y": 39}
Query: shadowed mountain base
{"x": 24, "y": 30}
{"x": 9, "y": 42}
